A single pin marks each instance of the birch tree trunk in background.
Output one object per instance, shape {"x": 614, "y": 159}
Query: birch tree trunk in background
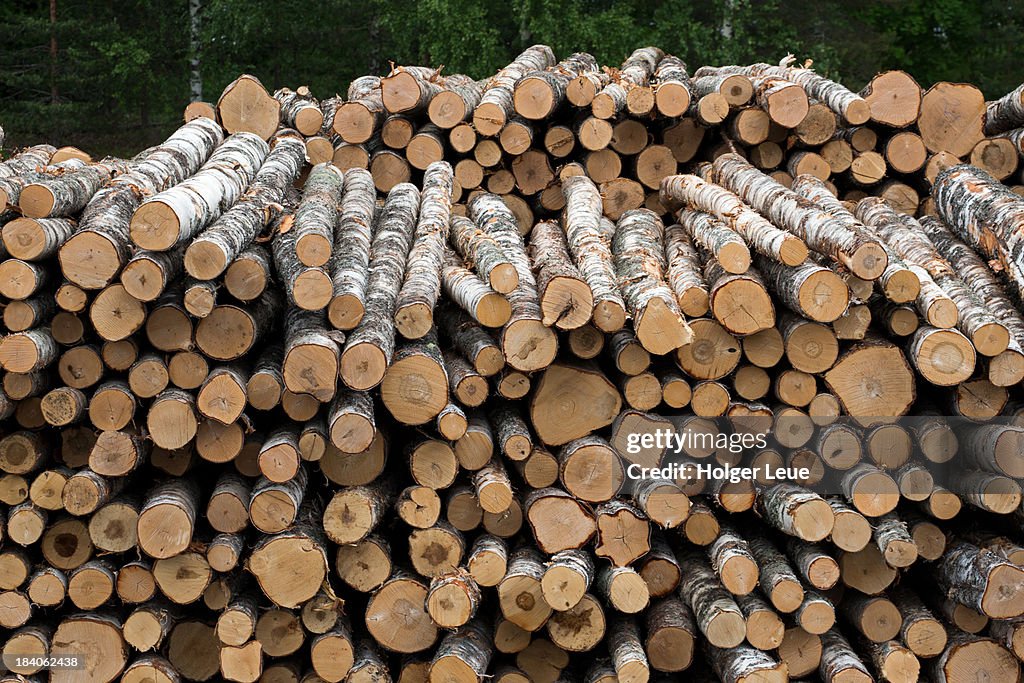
{"x": 195, "y": 79}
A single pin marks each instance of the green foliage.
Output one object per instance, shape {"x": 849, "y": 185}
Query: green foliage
{"x": 121, "y": 72}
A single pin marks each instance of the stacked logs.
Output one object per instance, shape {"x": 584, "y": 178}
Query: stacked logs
{"x": 351, "y": 389}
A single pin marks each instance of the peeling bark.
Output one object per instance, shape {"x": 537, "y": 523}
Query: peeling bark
{"x": 176, "y": 215}
{"x": 725, "y": 244}
{"x": 28, "y": 159}
{"x": 214, "y": 249}
{"x": 104, "y": 224}
{"x": 414, "y": 307}
{"x": 691, "y": 190}
{"x": 639, "y": 252}
{"x": 565, "y": 299}
{"x": 710, "y": 602}
{"x": 684, "y": 271}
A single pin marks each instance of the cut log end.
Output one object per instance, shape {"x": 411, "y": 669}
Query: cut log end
{"x": 566, "y": 303}
{"x": 990, "y": 339}
{"x": 415, "y": 390}
{"x": 205, "y": 260}
{"x": 414, "y": 320}
{"x": 245, "y": 105}
{"x": 533, "y": 98}
{"x": 672, "y": 99}
{"x": 868, "y": 261}
{"x": 1007, "y": 368}
{"x": 945, "y": 357}
{"x": 1003, "y": 593}
{"x": 36, "y": 201}
{"x": 788, "y": 105}
{"x": 155, "y": 226}
{"x": 143, "y": 279}
{"x": 793, "y": 251}
{"x": 660, "y": 329}
{"x": 528, "y": 345}
{"x": 813, "y": 520}
{"x": 609, "y": 316}
{"x": 346, "y": 311}
{"x": 824, "y": 296}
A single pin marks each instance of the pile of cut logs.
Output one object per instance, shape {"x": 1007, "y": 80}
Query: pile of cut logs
{"x": 350, "y": 390}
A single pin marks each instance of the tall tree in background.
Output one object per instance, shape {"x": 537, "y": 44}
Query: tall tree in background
{"x": 195, "y": 80}
{"x": 53, "y": 51}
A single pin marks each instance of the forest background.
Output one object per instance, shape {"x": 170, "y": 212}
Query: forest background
{"x": 114, "y": 76}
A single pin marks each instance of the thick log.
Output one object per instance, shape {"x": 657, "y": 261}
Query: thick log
{"x": 166, "y": 521}
{"x": 566, "y": 300}
{"x": 717, "y": 615}
{"x": 582, "y": 223}
{"x": 968, "y": 655}
{"x": 671, "y": 87}
{"x": 66, "y": 190}
{"x": 245, "y": 105}
{"x": 839, "y": 661}
{"x": 952, "y": 118}
{"x": 640, "y": 264}
{"x": 370, "y": 347}
{"x": 980, "y": 580}
{"x": 526, "y": 343}
{"x": 174, "y": 216}
{"x": 757, "y": 232}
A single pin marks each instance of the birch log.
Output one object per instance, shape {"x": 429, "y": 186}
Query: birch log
{"x": 353, "y": 240}
{"x": 414, "y": 306}
{"x": 639, "y": 254}
{"x": 93, "y": 256}
{"x": 177, "y": 214}
{"x": 210, "y": 254}
{"x": 591, "y": 251}
{"x": 370, "y": 347}
{"x": 757, "y": 232}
